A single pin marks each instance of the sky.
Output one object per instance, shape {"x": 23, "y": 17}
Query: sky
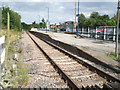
{"x": 58, "y": 11}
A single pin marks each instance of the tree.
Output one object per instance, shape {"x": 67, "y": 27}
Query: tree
{"x": 95, "y": 15}
{"x": 25, "y": 26}
{"x": 15, "y": 19}
{"x": 104, "y": 17}
{"x": 96, "y": 20}
{"x": 35, "y": 25}
{"x": 90, "y": 22}
{"x": 43, "y": 22}
{"x": 81, "y": 20}
{"x": 111, "y": 22}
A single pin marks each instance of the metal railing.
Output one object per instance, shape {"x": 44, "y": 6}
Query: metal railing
{"x": 102, "y": 35}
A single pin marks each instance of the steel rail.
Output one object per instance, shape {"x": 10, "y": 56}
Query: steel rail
{"x": 78, "y": 59}
{"x": 69, "y": 81}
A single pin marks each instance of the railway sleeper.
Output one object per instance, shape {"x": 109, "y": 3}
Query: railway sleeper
{"x": 85, "y": 64}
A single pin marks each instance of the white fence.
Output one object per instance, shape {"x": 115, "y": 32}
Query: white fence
{"x": 107, "y": 34}
{"x": 2, "y": 53}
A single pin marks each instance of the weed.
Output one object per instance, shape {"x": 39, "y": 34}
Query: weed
{"x": 11, "y": 49}
{"x": 22, "y": 71}
{"x": 19, "y": 50}
{"x": 113, "y": 56}
{"x": 18, "y": 75}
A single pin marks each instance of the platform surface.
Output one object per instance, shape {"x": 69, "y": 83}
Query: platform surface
{"x": 97, "y": 48}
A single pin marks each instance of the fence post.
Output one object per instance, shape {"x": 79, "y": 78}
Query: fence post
{"x": 2, "y": 55}
{"x": 88, "y": 32}
{"x": 114, "y": 34}
{"x": 105, "y": 34}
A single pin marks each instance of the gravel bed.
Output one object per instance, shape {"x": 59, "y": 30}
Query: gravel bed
{"x": 41, "y": 73}
{"x": 53, "y": 53}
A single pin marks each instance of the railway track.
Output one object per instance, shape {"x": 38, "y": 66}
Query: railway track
{"x": 77, "y": 74}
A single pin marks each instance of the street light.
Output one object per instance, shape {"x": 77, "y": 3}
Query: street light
{"x": 78, "y": 18}
{"x": 47, "y": 20}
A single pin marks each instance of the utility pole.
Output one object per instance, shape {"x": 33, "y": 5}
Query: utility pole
{"x": 78, "y": 7}
{"x": 75, "y": 18}
{"x": 48, "y": 26}
{"x": 78, "y": 17}
{"x": 117, "y": 33}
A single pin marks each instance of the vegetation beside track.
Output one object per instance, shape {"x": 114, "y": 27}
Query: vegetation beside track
{"x": 113, "y": 56}
{"x": 15, "y": 73}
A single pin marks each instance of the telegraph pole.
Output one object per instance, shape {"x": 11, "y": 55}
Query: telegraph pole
{"x": 78, "y": 17}
{"x": 48, "y": 20}
{"x": 75, "y": 18}
{"x": 117, "y": 33}
{"x": 78, "y": 7}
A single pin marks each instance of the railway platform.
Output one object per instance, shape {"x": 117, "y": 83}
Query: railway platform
{"x": 96, "y": 48}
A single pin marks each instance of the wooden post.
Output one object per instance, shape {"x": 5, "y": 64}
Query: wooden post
{"x": 7, "y": 36}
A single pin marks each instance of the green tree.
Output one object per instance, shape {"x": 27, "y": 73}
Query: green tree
{"x": 96, "y": 20}
{"x": 35, "y": 25}
{"x": 111, "y": 22}
{"x": 90, "y": 22}
{"x": 104, "y": 17}
{"x": 15, "y": 19}
{"x": 81, "y": 20}
{"x": 43, "y": 22}
{"x": 25, "y": 26}
{"x": 95, "y": 15}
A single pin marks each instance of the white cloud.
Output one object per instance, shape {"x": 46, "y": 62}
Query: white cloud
{"x": 59, "y": 12}
{"x": 87, "y": 14}
{"x": 61, "y": 7}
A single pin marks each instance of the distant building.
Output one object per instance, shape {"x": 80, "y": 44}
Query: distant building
{"x": 34, "y": 29}
{"x": 68, "y": 26}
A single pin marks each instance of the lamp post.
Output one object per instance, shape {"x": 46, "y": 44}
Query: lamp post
{"x": 78, "y": 18}
{"x": 75, "y": 29}
{"x": 47, "y": 20}
{"x": 39, "y": 21}
{"x": 117, "y": 32}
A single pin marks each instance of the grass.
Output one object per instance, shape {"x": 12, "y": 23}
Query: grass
{"x": 2, "y": 32}
{"x": 113, "y": 56}
{"x": 19, "y": 50}
{"x": 10, "y": 49}
{"x": 18, "y": 76}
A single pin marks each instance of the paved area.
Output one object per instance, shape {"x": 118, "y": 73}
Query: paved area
{"x": 96, "y": 48}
